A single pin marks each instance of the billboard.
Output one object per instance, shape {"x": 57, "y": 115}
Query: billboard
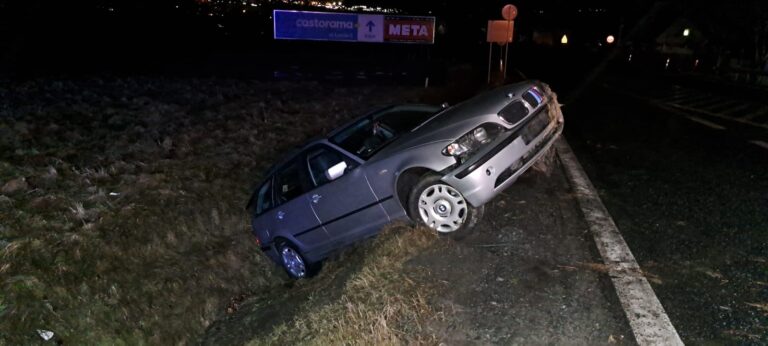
{"x": 409, "y": 29}
{"x": 352, "y": 27}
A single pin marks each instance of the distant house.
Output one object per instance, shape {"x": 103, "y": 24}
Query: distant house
{"x": 682, "y": 37}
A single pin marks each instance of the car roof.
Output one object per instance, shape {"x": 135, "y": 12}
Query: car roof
{"x": 293, "y": 152}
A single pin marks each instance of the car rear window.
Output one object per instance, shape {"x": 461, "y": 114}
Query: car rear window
{"x": 264, "y": 198}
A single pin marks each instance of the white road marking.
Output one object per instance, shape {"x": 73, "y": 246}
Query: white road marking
{"x": 709, "y": 104}
{"x": 718, "y": 115}
{"x": 678, "y": 109}
{"x": 761, "y": 144}
{"x": 726, "y": 104}
{"x": 738, "y": 109}
{"x": 678, "y": 93}
{"x": 760, "y": 112}
{"x": 706, "y": 123}
{"x": 650, "y": 323}
{"x": 676, "y": 97}
{"x": 697, "y": 97}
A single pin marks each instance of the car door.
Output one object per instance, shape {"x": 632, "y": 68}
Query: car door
{"x": 346, "y": 206}
{"x": 262, "y": 222}
{"x": 293, "y": 215}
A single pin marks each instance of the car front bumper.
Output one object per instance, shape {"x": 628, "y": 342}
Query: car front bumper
{"x": 485, "y": 176}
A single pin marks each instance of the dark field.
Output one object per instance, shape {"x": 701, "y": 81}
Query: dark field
{"x": 123, "y": 199}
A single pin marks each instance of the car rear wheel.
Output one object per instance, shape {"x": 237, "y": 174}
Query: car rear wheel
{"x": 441, "y": 207}
{"x": 294, "y": 263}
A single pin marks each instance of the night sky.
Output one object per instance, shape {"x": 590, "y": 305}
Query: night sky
{"x": 122, "y": 32}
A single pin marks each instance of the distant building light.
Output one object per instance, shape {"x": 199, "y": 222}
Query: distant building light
{"x": 610, "y": 39}
{"x": 686, "y": 32}
{"x": 564, "y": 40}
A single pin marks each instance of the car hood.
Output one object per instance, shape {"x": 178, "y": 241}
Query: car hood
{"x": 455, "y": 121}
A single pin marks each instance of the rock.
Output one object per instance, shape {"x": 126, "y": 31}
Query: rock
{"x": 45, "y": 334}
{"x": 15, "y": 185}
{"x": 21, "y": 128}
{"x": 7, "y": 136}
{"x": 167, "y": 144}
{"x": 5, "y": 201}
{"x": 51, "y": 174}
{"x": 43, "y": 203}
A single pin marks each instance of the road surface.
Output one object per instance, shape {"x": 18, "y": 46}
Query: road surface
{"x": 683, "y": 169}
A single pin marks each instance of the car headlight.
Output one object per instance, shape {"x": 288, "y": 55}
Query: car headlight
{"x": 472, "y": 141}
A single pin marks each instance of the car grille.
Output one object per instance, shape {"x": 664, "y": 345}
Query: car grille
{"x": 535, "y": 126}
{"x": 514, "y": 112}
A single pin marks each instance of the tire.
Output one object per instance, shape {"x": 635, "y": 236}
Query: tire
{"x": 294, "y": 263}
{"x": 439, "y": 206}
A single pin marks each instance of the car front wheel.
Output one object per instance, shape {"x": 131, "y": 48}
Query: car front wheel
{"x": 441, "y": 207}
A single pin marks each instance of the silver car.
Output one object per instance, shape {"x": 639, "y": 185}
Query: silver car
{"x": 433, "y": 165}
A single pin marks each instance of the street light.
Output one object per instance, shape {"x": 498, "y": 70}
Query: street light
{"x": 686, "y": 32}
{"x": 610, "y": 39}
{"x": 564, "y": 40}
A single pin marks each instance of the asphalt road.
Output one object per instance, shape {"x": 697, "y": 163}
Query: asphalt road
{"x": 683, "y": 169}
{"x": 528, "y": 274}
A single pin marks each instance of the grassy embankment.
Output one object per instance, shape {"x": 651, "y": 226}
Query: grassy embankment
{"x": 122, "y": 209}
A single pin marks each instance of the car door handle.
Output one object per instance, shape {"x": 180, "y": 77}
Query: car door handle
{"x": 316, "y": 198}
{"x": 280, "y": 215}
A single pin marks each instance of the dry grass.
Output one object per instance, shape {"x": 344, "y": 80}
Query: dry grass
{"x": 379, "y": 304}
{"x": 131, "y": 229}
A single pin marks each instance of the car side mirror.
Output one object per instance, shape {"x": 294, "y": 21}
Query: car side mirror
{"x": 336, "y": 171}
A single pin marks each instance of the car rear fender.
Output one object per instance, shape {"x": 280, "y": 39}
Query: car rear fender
{"x": 311, "y": 255}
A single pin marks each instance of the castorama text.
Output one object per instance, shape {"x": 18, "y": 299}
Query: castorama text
{"x": 316, "y": 23}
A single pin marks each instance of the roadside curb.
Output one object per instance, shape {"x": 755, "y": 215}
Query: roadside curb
{"x": 647, "y": 318}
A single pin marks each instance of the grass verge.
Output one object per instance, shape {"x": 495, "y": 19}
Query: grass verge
{"x": 380, "y": 303}
{"x": 122, "y": 199}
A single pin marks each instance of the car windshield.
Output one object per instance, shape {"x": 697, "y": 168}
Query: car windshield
{"x": 370, "y": 134}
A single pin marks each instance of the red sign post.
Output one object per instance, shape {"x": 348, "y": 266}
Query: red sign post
{"x": 501, "y": 32}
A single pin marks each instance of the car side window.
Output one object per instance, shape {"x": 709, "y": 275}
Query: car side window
{"x": 321, "y": 158}
{"x": 290, "y": 182}
{"x": 264, "y": 200}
